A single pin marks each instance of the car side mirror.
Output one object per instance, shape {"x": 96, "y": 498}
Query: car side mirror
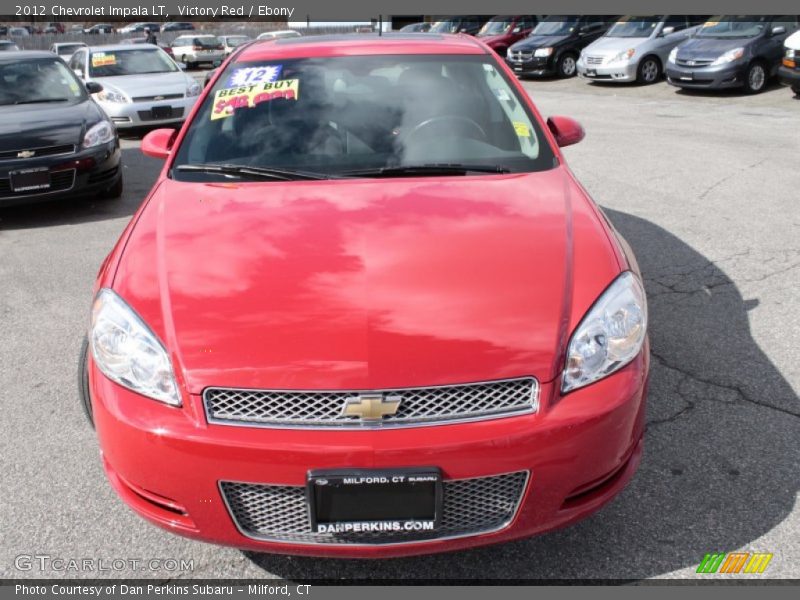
{"x": 93, "y": 87}
{"x": 778, "y": 30}
{"x": 567, "y": 131}
{"x": 667, "y": 30}
{"x": 158, "y": 143}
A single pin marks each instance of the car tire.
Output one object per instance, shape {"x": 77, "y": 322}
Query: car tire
{"x": 114, "y": 192}
{"x": 796, "y": 90}
{"x": 83, "y": 381}
{"x": 567, "y": 65}
{"x": 649, "y": 70}
{"x": 755, "y": 78}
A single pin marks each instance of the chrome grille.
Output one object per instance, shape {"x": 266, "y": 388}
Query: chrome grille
{"x": 280, "y": 512}
{"x": 156, "y": 98}
{"x": 520, "y": 56}
{"x": 37, "y": 152}
{"x": 594, "y": 60}
{"x": 684, "y": 62}
{"x": 417, "y": 405}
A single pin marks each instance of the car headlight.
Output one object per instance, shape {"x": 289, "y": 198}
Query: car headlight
{"x": 791, "y": 53}
{"x": 609, "y": 336}
{"x": 193, "y": 90}
{"x": 108, "y": 95}
{"x": 126, "y": 351}
{"x": 99, "y": 133}
{"x": 542, "y": 52}
{"x": 624, "y": 56}
{"x": 673, "y": 54}
{"x": 729, "y": 56}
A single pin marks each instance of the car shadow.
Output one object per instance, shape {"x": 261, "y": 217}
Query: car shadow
{"x": 139, "y": 172}
{"x": 773, "y": 85}
{"x": 719, "y": 469}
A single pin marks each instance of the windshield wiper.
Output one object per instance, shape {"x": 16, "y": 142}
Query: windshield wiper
{"x": 253, "y": 172}
{"x": 41, "y": 101}
{"x": 426, "y": 170}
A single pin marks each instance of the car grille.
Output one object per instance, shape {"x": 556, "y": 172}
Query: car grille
{"x": 683, "y": 62}
{"x": 594, "y": 60}
{"x": 280, "y": 512}
{"x": 60, "y": 181}
{"x": 520, "y": 56}
{"x": 46, "y": 151}
{"x": 157, "y": 98}
{"x": 417, "y": 405}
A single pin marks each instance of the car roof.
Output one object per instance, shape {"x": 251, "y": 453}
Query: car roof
{"x": 360, "y": 44}
{"x": 24, "y": 54}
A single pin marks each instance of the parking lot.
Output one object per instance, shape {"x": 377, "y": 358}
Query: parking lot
{"x": 706, "y": 189}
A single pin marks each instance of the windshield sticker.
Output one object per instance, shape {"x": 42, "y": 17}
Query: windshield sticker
{"x": 101, "y": 59}
{"x": 710, "y": 23}
{"x": 249, "y": 75}
{"x": 227, "y": 101}
{"x": 502, "y": 95}
{"x": 522, "y": 129}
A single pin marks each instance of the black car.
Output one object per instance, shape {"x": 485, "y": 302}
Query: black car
{"x": 178, "y": 26}
{"x": 55, "y": 141}
{"x": 470, "y": 24}
{"x": 731, "y": 51}
{"x": 554, "y": 46}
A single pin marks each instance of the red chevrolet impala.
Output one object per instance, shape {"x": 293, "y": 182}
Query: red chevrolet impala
{"x": 367, "y": 310}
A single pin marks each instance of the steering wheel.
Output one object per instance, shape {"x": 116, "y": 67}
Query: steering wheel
{"x": 458, "y": 121}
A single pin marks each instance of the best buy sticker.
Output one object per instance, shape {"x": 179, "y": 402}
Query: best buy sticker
{"x": 228, "y": 100}
{"x": 103, "y": 59}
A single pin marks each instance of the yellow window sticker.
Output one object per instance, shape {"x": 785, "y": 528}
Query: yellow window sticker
{"x": 101, "y": 59}
{"x": 522, "y": 129}
{"x": 228, "y": 100}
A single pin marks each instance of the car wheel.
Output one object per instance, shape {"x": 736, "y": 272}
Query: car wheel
{"x": 755, "y": 78}
{"x": 796, "y": 90}
{"x": 567, "y": 66}
{"x": 114, "y": 192}
{"x": 649, "y": 70}
{"x": 83, "y": 381}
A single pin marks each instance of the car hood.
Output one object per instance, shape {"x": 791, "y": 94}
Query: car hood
{"x": 707, "y": 48}
{"x": 539, "y": 41}
{"x": 40, "y": 125}
{"x": 365, "y": 284}
{"x": 606, "y": 46}
{"x": 149, "y": 84}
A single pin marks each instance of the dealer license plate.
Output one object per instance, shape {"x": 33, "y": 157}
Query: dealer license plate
{"x": 161, "y": 112}
{"x": 30, "y": 180}
{"x": 404, "y": 500}
{"x": 591, "y": 72}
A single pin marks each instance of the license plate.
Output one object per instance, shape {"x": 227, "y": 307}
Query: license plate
{"x": 591, "y": 72}
{"x": 161, "y": 112}
{"x": 518, "y": 68}
{"x": 345, "y": 501}
{"x": 30, "y": 180}
{"x": 688, "y": 77}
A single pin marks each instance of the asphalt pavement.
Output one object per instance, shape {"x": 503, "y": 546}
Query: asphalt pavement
{"x": 706, "y": 189}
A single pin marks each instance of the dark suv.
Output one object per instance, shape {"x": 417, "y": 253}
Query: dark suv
{"x": 731, "y": 51}
{"x": 555, "y": 44}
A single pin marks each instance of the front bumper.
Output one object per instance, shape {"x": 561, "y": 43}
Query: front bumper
{"x": 540, "y": 66}
{"x": 81, "y": 173}
{"x": 720, "y": 77}
{"x": 617, "y": 72}
{"x": 141, "y": 114}
{"x": 170, "y": 465}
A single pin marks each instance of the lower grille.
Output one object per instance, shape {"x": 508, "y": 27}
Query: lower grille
{"x": 280, "y": 513}
{"x": 415, "y": 406}
{"x": 60, "y": 181}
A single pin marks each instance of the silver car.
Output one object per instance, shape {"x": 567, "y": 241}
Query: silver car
{"x": 636, "y": 48}
{"x": 195, "y": 49}
{"x": 142, "y": 85}
{"x": 231, "y": 42}
{"x": 66, "y": 49}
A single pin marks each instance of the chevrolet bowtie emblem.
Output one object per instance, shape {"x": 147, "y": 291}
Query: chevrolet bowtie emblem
{"x": 371, "y": 407}
{"x": 158, "y": 97}
{"x": 25, "y": 153}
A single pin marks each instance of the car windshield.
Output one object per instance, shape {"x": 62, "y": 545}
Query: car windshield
{"x": 447, "y": 26}
{"x": 732, "y": 26}
{"x": 497, "y": 27}
{"x": 66, "y": 49}
{"x": 556, "y": 26}
{"x": 38, "y": 81}
{"x": 207, "y": 42}
{"x": 337, "y": 116}
{"x": 136, "y": 61}
{"x": 634, "y": 27}
{"x": 237, "y": 40}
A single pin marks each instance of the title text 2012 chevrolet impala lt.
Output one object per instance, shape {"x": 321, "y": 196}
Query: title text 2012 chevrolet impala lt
{"x": 367, "y": 310}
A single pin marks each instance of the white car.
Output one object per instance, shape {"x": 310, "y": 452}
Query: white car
{"x": 18, "y": 32}
{"x": 195, "y": 49}
{"x": 231, "y": 42}
{"x": 274, "y": 35}
{"x": 142, "y": 85}
{"x": 66, "y": 49}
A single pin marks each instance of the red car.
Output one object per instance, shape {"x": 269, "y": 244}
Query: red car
{"x": 501, "y": 32}
{"x": 367, "y": 310}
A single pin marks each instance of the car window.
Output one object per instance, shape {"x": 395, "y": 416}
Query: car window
{"x": 136, "y": 61}
{"x": 557, "y": 25}
{"x": 677, "y": 22}
{"x": 334, "y": 115}
{"x": 77, "y": 61}
{"x": 40, "y": 80}
{"x": 634, "y": 27}
{"x": 734, "y": 26}
{"x": 787, "y": 21}
{"x": 180, "y": 41}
